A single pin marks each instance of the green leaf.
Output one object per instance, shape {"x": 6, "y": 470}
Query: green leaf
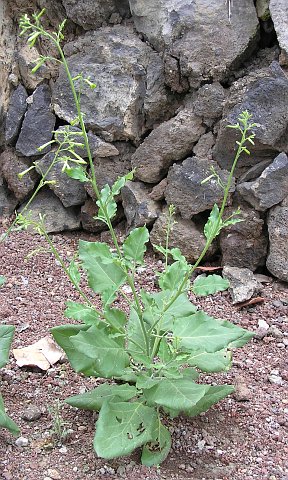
{"x": 208, "y": 285}
{"x": 134, "y": 246}
{"x": 6, "y": 421}
{"x": 176, "y": 394}
{"x": 94, "y": 399}
{"x": 213, "y": 226}
{"x": 107, "y": 201}
{"x": 80, "y": 362}
{"x": 156, "y": 451}
{"x": 2, "y": 280}
{"x": 6, "y": 337}
{"x": 211, "y": 362}
{"x": 73, "y": 270}
{"x": 120, "y": 182}
{"x": 103, "y": 274}
{"x": 121, "y": 427}
{"x": 108, "y": 356}
{"x": 173, "y": 276}
{"x": 201, "y": 332}
{"x": 78, "y": 173}
{"x": 116, "y": 318}
{"x": 81, "y": 312}
{"x": 136, "y": 338}
{"x": 213, "y": 395}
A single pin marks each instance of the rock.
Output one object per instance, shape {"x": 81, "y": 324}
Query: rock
{"x": 279, "y": 14}
{"x": 130, "y": 84}
{"x": 38, "y": 124}
{"x": 255, "y": 171}
{"x": 275, "y": 379}
{"x": 57, "y": 218}
{"x": 89, "y": 210}
{"x": 8, "y": 201}
{"x": 27, "y": 58}
{"x": 139, "y": 209}
{"x": 157, "y": 192}
{"x": 185, "y": 191}
{"x": 277, "y": 260}
{"x": 11, "y": 165}
{"x": 275, "y": 332}
{"x": 217, "y": 43}
{"x": 15, "y": 114}
{"x": 185, "y": 235}
{"x": 209, "y": 102}
{"x": 270, "y": 188}
{"x": 242, "y": 392}
{"x": 22, "y": 442}
{"x": 97, "y": 146}
{"x": 54, "y": 474}
{"x": 171, "y": 141}
{"x": 68, "y": 190}
{"x": 245, "y": 243}
{"x": 262, "y": 9}
{"x": 264, "y": 325}
{"x": 265, "y": 95}
{"x": 243, "y": 284}
{"x": 92, "y": 14}
{"x": 31, "y": 413}
{"x": 203, "y": 148}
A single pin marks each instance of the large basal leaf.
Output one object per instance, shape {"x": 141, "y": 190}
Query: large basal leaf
{"x": 116, "y": 318}
{"x": 94, "y": 399}
{"x": 242, "y": 339}
{"x": 208, "y": 285}
{"x": 79, "y": 361}
{"x": 81, "y": 312}
{"x": 103, "y": 274}
{"x": 6, "y": 421}
{"x": 213, "y": 395}
{"x": 110, "y": 359}
{"x": 136, "y": 338}
{"x": 134, "y": 246}
{"x": 179, "y": 394}
{"x": 6, "y": 337}
{"x": 121, "y": 427}
{"x": 211, "y": 362}
{"x": 201, "y": 332}
{"x": 155, "y": 452}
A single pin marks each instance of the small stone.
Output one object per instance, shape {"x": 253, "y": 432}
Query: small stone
{"x": 121, "y": 470}
{"x": 182, "y": 466}
{"x": 263, "y": 324}
{"x": 277, "y": 380}
{"x": 260, "y": 333}
{"x": 31, "y": 413}
{"x": 63, "y": 449}
{"x": 242, "y": 392}
{"x": 54, "y": 474}
{"x": 275, "y": 332}
{"x": 277, "y": 303}
{"x": 22, "y": 442}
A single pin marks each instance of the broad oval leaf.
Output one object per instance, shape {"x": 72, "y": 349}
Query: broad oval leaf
{"x": 208, "y": 285}
{"x": 156, "y": 451}
{"x": 6, "y": 421}
{"x": 213, "y": 395}
{"x": 6, "y": 337}
{"x": 121, "y": 427}
{"x": 211, "y": 362}
{"x": 94, "y": 399}
{"x": 173, "y": 276}
{"x": 134, "y": 245}
{"x": 81, "y": 312}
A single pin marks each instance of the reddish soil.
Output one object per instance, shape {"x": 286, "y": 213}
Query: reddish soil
{"x": 243, "y": 437}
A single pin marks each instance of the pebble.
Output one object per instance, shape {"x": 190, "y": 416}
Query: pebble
{"x": 31, "y": 413}
{"x": 22, "y": 442}
{"x": 277, "y": 303}
{"x": 275, "y": 379}
{"x": 263, "y": 324}
{"x": 63, "y": 449}
{"x": 242, "y": 392}
{"x": 275, "y": 332}
{"x": 54, "y": 474}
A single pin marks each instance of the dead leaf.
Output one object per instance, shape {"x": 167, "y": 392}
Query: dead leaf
{"x": 252, "y": 301}
{"x": 41, "y": 354}
{"x": 208, "y": 269}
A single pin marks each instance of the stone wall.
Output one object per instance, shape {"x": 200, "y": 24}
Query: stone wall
{"x": 170, "y": 76}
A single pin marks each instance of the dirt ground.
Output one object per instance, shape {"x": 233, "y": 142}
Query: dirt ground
{"x": 243, "y": 437}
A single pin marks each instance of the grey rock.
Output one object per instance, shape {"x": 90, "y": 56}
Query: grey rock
{"x": 8, "y": 201}
{"x": 130, "y": 83}
{"x": 255, "y": 171}
{"x": 171, "y": 141}
{"x": 27, "y": 58}
{"x": 277, "y": 260}
{"x": 217, "y": 43}
{"x": 138, "y": 207}
{"x": 275, "y": 332}
{"x": 265, "y": 95}
{"x": 279, "y": 14}
{"x": 275, "y": 379}
{"x": 70, "y": 191}
{"x": 184, "y": 189}
{"x": 15, "y": 114}
{"x": 88, "y": 213}
{"x": 209, "y": 102}
{"x": 203, "y": 148}
{"x": 22, "y": 442}
{"x": 157, "y": 192}
{"x": 270, "y": 188}
{"x": 11, "y": 165}
{"x": 243, "y": 284}
{"x": 91, "y": 14}
{"x": 38, "y": 124}
{"x": 57, "y": 218}
{"x": 97, "y": 146}
{"x": 185, "y": 235}
{"x": 245, "y": 243}
{"x": 262, "y": 9}
{"x": 31, "y": 413}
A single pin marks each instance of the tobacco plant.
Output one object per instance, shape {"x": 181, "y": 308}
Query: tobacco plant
{"x": 152, "y": 355}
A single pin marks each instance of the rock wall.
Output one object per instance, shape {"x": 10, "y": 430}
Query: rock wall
{"x": 170, "y": 75}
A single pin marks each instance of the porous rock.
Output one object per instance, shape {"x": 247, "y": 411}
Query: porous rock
{"x": 243, "y": 284}
{"x": 31, "y": 413}
{"x": 138, "y": 207}
{"x": 203, "y": 148}
{"x": 91, "y": 224}
{"x": 209, "y": 102}
{"x": 11, "y": 165}
{"x": 38, "y": 124}
{"x": 15, "y": 114}
{"x": 171, "y": 141}
{"x": 185, "y": 191}
{"x": 185, "y": 235}
{"x": 217, "y": 42}
{"x": 279, "y": 14}
{"x": 270, "y": 188}
{"x": 27, "y": 58}
{"x": 277, "y": 221}
{"x": 91, "y": 14}
{"x": 70, "y": 191}
{"x": 56, "y": 217}
{"x": 244, "y": 244}
{"x": 8, "y": 201}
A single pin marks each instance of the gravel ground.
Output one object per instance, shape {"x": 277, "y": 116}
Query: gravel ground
{"x": 243, "y": 437}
